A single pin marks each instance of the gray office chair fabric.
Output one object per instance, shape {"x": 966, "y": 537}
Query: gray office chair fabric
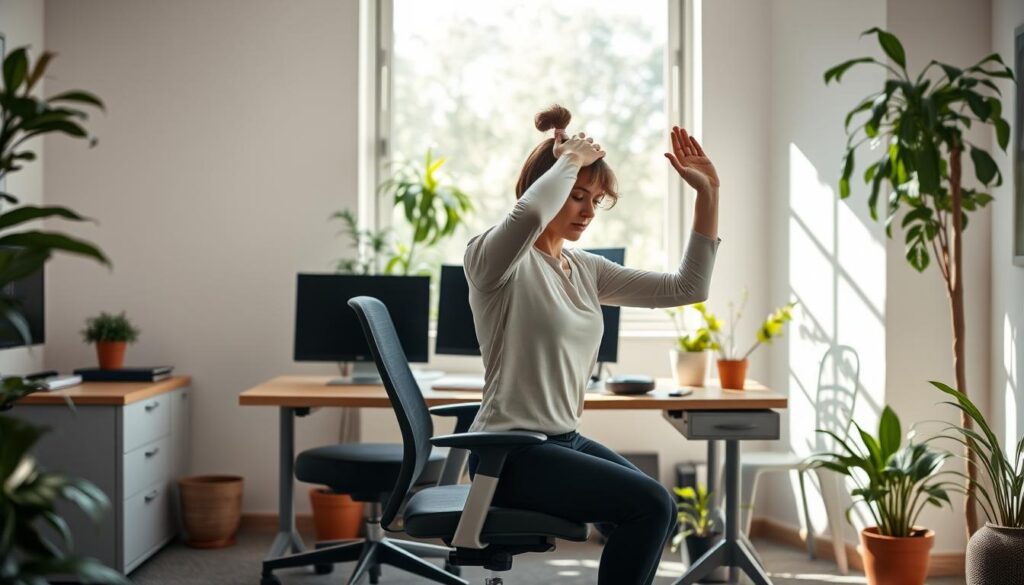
{"x": 494, "y": 533}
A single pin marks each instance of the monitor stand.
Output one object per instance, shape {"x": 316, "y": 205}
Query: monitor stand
{"x": 357, "y": 374}
{"x": 596, "y": 383}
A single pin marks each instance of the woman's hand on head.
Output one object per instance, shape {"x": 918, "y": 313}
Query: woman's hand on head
{"x": 578, "y": 146}
{"x": 689, "y": 160}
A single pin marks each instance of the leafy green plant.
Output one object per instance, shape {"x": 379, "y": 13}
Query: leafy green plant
{"x": 701, "y": 338}
{"x": 726, "y": 343}
{"x": 28, "y": 500}
{"x": 368, "y": 244}
{"x": 895, "y": 482}
{"x": 1004, "y": 504}
{"x": 107, "y": 327}
{"x": 29, "y": 495}
{"x": 695, "y": 516}
{"x": 432, "y": 209}
{"x": 920, "y": 123}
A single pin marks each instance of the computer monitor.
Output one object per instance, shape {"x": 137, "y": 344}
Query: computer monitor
{"x": 27, "y": 292}
{"x": 327, "y": 330}
{"x": 457, "y": 336}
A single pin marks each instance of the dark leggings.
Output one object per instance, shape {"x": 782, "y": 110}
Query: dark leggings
{"x": 578, "y": 479}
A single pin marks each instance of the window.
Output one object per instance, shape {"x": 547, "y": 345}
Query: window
{"x": 465, "y": 78}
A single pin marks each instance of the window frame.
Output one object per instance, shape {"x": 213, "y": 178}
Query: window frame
{"x": 682, "y": 76}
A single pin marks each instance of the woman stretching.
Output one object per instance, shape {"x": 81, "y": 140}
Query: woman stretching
{"x": 537, "y": 313}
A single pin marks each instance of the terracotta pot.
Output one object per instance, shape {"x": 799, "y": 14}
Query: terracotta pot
{"x": 993, "y": 556}
{"x": 211, "y": 506}
{"x": 892, "y": 560}
{"x": 732, "y": 373}
{"x": 689, "y": 367}
{"x": 335, "y": 516}
{"x": 110, "y": 354}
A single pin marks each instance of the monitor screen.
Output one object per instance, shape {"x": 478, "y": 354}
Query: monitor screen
{"x": 457, "y": 336}
{"x": 327, "y": 330}
{"x": 27, "y": 293}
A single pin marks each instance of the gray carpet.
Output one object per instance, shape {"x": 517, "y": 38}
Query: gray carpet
{"x": 570, "y": 564}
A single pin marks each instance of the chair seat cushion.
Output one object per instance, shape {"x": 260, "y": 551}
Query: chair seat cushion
{"x": 434, "y": 513}
{"x": 360, "y": 468}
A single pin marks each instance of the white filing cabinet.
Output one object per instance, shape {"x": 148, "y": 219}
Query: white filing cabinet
{"x": 132, "y": 441}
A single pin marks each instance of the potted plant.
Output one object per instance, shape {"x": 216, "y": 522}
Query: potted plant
{"x": 732, "y": 366}
{"x": 920, "y": 124}
{"x": 31, "y": 498}
{"x": 689, "y": 358}
{"x": 895, "y": 483}
{"x": 995, "y": 550}
{"x": 696, "y": 524}
{"x": 335, "y": 516}
{"x": 111, "y": 334}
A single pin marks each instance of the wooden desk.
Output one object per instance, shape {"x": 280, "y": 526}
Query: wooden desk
{"x": 709, "y": 413}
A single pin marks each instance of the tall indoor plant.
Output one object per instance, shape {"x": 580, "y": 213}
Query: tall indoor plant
{"x": 921, "y": 122}
{"x": 895, "y": 483}
{"x": 28, "y": 494}
{"x": 994, "y": 551}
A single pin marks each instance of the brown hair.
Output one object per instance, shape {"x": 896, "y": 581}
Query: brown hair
{"x": 543, "y": 158}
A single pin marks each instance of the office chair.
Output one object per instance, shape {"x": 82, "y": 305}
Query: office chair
{"x": 835, "y": 398}
{"x": 460, "y": 515}
{"x": 368, "y": 472}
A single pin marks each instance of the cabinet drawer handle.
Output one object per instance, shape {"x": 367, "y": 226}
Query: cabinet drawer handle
{"x": 151, "y": 496}
{"x": 152, "y": 452}
{"x": 736, "y": 427}
{"x": 152, "y": 406}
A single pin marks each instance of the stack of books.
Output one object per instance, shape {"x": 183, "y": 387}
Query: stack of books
{"x": 148, "y": 374}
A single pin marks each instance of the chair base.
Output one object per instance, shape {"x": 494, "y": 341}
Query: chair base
{"x": 370, "y": 553}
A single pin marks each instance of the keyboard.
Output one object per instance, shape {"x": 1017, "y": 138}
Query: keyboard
{"x": 458, "y": 383}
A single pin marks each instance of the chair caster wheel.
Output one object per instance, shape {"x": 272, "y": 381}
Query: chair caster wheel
{"x": 374, "y": 575}
{"x": 453, "y": 569}
{"x": 324, "y": 569}
{"x": 269, "y": 580}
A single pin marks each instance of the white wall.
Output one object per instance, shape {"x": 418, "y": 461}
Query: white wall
{"x": 21, "y": 23}
{"x": 1007, "y": 319}
{"x": 228, "y": 141}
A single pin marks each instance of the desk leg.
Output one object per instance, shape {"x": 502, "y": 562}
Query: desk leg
{"x": 733, "y": 551}
{"x": 287, "y": 539}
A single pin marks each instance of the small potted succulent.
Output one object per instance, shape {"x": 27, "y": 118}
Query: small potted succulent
{"x": 895, "y": 483}
{"x": 732, "y": 366}
{"x": 111, "y": 334}
{"x": 689, "y": 358}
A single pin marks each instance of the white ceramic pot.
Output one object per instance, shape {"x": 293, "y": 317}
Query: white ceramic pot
{"x": 689, "y": 367}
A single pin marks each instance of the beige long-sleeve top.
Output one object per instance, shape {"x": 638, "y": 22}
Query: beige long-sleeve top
{"x": 540, "y": 328}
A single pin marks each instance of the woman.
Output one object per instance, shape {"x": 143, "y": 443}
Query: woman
{"x": 537, "y": 313}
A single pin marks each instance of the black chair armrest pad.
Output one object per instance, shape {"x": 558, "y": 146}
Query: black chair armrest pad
{"x": 460, "y": 409}
{"x": 471, "y": 441}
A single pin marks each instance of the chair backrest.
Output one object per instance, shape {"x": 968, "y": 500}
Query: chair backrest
{"x": 838, "y": 384}
{"x": 406, "y": 398}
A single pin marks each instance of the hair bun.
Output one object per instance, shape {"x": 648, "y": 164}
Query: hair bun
{"x": 554, "y": 117}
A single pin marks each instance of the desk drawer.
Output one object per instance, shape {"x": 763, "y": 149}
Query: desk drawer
{"x": 730, "y": 424}
{"x": 147, "y": 521}
{"x": 147, "y": 465}
{"x": 145, "y": 421}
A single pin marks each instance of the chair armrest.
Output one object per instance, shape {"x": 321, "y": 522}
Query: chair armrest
{"x": 492, "y": 448}
{"x": 471, "y": 441}
{"x": 464, "y": 413}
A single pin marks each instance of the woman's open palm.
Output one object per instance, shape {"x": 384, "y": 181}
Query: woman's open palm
{"x": 689, "y": 160}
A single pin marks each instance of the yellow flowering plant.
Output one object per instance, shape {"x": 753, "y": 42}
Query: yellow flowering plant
{"x": 725, "y": 344}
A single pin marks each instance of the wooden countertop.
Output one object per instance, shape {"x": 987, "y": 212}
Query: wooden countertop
{"x": 312, "y": 391}
{"x": 107, "y": 393}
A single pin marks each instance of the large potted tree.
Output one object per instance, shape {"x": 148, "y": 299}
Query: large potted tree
{"x": 995, "y": 551}
{"x": 895, "y": 483}
{"x": 920, "y": 123}
{"x": 28, "y": 494}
